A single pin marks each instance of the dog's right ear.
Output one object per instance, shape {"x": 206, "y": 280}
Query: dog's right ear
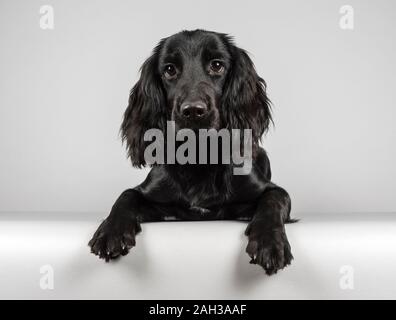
{"x": 146, "y": 109}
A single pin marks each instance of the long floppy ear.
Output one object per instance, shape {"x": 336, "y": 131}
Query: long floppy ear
{"x": 146, "y": 110}
{"x": 245, "y": 103}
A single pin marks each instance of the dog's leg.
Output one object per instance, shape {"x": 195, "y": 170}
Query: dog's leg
{"x": 268, "y": 245}
{"x": 116, "y": 235}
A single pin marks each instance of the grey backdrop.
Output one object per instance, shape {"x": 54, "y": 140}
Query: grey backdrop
{"x": 63, "y": 93}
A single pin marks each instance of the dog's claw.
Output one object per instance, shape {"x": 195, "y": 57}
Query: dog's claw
{"x": 270, "y": 249}
{"x": 114, "y": 238}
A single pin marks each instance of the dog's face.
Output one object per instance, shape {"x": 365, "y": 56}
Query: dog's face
{"x": 193, "y": 70}
{"x": 199, "y": 79}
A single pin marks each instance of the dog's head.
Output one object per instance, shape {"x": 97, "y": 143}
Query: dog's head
{"x": 199, "y": 79}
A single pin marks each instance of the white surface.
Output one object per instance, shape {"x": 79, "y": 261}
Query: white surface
{"x": 200, "y": 260}
{"x": 63, "y": 93}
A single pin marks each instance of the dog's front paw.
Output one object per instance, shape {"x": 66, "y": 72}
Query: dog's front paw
{"x": 268, "y": 248}
{"x": 114, "y": 237}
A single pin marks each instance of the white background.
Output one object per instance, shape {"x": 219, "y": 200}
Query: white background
{"x": 63, "y": 93}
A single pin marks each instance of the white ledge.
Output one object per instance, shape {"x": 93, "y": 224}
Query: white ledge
{"x": 197, "y": 260}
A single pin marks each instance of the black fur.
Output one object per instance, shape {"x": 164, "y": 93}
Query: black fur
{"x": 234, "y": 97}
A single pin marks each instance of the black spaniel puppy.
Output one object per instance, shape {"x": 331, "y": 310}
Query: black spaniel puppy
{"x": 200, "y": 79}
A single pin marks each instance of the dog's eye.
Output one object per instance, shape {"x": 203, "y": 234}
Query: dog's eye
{"x": 170, "y": 71}
{"x": 216, "y": 67}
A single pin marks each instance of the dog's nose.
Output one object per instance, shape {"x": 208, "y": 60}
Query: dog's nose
{"x": 194, "y": 110}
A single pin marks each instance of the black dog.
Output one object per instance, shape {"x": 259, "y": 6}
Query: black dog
{"x": 200, "y": 79}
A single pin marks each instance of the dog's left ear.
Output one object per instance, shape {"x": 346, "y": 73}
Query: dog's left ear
{"x": 245, "y": 103}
